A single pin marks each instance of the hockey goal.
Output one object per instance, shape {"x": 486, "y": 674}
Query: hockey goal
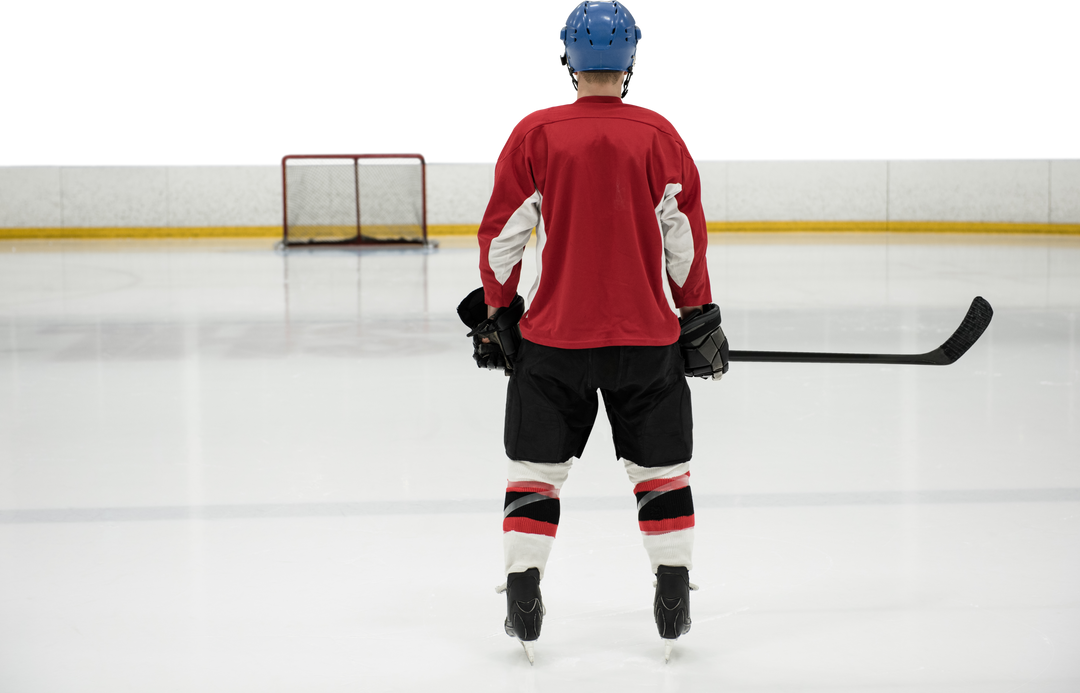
{"x": 354, "y": 199}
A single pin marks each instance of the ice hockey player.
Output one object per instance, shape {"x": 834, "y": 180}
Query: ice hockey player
{"x": 615, "y": 200}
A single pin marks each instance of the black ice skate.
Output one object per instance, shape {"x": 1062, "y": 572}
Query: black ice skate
{"x": 671, "y": 606}
{"x": 524, "y": 608}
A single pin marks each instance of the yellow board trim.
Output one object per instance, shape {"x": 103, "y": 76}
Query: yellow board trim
{"x": 146, "y": 232}
{"x": 471, "y": 229}
{"x": 887, "y": 227}
{"x": 453, "y": 229}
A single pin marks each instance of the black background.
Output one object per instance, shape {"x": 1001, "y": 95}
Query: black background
{"x": 246, "y": 83}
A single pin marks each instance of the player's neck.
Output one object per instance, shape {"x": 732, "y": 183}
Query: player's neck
{"x": 585, "y": 90}
{"x": 599, "y": 89}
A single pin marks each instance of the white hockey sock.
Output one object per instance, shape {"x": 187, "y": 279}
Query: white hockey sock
{"x": 531, "y": 513}
{"x": 665, "y": 512}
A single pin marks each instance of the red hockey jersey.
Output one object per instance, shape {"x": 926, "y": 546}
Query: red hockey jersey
{"x": 616, "y": 202}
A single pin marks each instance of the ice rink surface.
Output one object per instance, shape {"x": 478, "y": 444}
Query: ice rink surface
{"x": 224, "y": 469}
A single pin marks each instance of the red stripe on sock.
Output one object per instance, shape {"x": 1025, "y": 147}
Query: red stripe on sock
{"x": 646, "y": 486}
{"x": 672, "y": 524}
{"x": 542, "y": 489}
{"x": 531, "y": 489}
{"x": 529, "y": 526}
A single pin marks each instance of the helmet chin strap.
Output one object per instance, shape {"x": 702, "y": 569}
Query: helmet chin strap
{"x": 629, "y": 74}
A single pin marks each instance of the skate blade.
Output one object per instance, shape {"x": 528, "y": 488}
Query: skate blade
{"x": 668, "y": 647}
{"x": 528, "y": 647}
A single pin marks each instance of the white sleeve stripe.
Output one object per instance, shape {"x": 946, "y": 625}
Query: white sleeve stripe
{"x": 541, "y": 241}
{"x": 507, "y": 248}
{"x": 677, "y": 234}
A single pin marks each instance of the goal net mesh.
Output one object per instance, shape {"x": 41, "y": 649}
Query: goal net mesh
{"x": 354, "y": 199}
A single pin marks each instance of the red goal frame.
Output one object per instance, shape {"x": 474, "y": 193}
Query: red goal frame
{"x": 360, "y": 239}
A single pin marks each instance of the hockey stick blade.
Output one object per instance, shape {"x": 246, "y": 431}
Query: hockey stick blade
{"x": 974, "y": 324}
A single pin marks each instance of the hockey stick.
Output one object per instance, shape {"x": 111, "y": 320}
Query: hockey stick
{"x": 974, "y": 324}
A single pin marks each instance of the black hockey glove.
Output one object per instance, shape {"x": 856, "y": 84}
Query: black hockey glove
{"x": 703, "y": 344}
{"x": 501, "y": 330}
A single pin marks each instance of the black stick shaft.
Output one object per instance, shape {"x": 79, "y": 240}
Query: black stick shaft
{"x": 825, "y": 357}
{"x": 974, "y": 324}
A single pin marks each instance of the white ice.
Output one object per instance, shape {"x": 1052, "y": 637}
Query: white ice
{"x": 223, "y": 469}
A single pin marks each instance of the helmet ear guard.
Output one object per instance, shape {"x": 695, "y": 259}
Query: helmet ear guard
{"x": 565, "y": 58}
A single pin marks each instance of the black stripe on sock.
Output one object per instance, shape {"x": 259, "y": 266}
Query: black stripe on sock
{"x": 546, "y": 510}
{"x": 677, "y": 503}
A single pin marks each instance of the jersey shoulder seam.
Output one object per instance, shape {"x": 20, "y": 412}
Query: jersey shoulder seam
{"x": 677, "y": 135}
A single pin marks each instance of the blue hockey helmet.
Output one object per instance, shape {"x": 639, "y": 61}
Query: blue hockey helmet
{"x": 600, "y": 36}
